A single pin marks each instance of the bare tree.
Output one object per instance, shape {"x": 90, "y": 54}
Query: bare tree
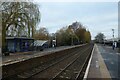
{"x": 21, "y": 16}
{"x": 41, "y": 34}
{"x": 100, "y": 37}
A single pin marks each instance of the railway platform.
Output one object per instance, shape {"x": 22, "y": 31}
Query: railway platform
{"x": 21, "y": 56}
{"x": 98, "y": 67}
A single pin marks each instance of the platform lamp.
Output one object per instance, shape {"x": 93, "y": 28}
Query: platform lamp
{"x": 113, "y": 35}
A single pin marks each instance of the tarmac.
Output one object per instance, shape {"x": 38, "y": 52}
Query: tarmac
{"x": 97, "y": 68}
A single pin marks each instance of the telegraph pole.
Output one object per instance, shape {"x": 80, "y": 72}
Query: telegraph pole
{"x": 113, "y": 34}
{"x": 113, "y": 39}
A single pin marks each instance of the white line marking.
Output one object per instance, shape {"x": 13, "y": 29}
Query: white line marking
{"x": 88, "y": 66}
{"x": 97, "y": 64}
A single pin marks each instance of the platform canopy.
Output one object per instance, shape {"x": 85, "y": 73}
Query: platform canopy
{"x": 40, "y": 42}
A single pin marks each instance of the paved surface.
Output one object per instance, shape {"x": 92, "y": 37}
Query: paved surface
{"x": 104, "y": 63}
{"x": 0, "y": 64}
{"x": 111, "y": 59}
{"x": 97, "y": 69}
{"x": 16, "y": 57}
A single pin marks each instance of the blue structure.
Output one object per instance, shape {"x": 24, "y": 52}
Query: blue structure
{"x": 19, "y": 44}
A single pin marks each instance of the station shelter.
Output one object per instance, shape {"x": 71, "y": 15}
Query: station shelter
{"x": 19, "y": 44}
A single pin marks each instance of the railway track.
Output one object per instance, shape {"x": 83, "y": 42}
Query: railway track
{"x": 43, "y": 67}
{"x": 67, "y": 66}
{"x": 73, "y": 70}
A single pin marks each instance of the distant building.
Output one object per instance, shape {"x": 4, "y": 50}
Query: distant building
{"x": 115, "y": 39}
{"x": 110, "y": 41}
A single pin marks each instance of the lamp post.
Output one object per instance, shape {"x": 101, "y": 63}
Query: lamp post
{"x": 113, "y": 39}
{"x": 55, "y": 41}
{"x": 113, "y": 34}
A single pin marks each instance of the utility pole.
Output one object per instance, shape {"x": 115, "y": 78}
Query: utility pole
{"x": 113, "y": 34}
{"x": 55, "y": 41}
{"x": 113, "y": 39}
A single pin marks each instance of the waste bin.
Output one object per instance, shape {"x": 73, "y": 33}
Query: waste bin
{"x": 5, "y": 51}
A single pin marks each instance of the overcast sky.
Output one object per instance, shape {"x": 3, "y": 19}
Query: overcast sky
{"x": 96, "y": 16}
